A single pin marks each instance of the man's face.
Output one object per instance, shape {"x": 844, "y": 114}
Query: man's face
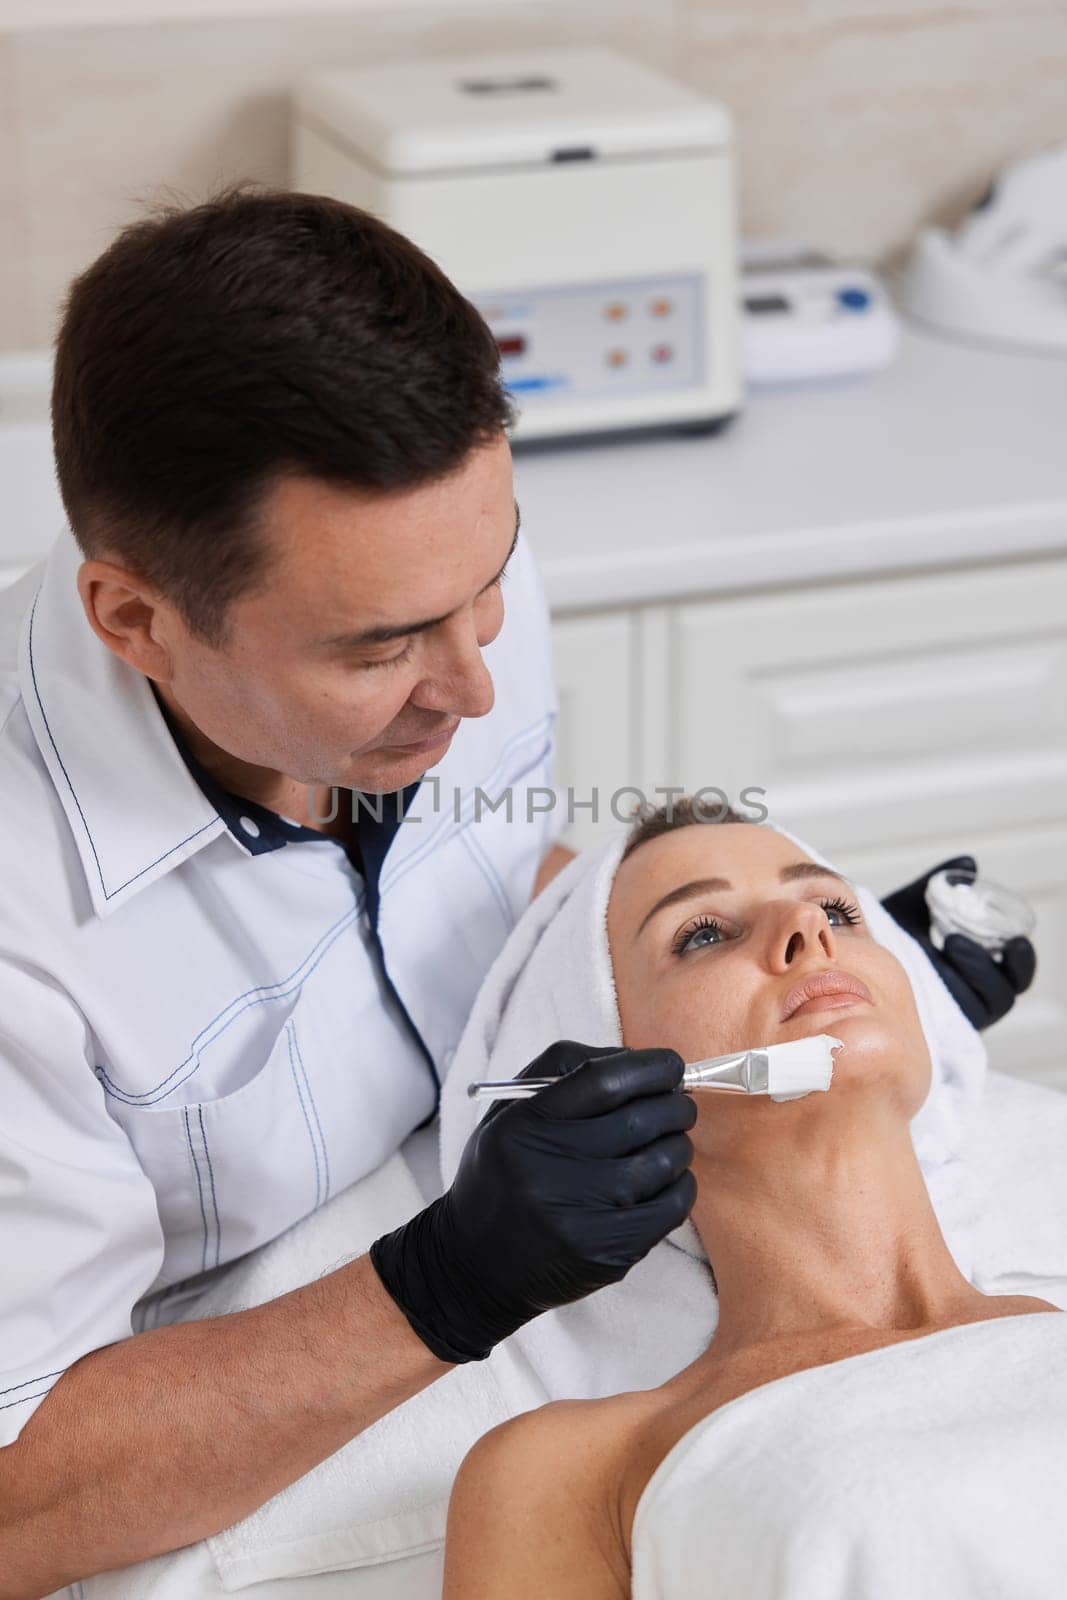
{"x": 354, "y": 661}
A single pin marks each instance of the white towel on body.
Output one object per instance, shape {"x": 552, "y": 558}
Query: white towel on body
{"x": 926, "y": 1470}
{"x": 552, "y": 980}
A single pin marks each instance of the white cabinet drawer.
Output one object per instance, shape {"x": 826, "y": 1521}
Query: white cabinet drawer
{"x": 874, "y": 711}
{"x": 595, "y": 755}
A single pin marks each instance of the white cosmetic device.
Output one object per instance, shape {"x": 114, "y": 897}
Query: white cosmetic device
{"x": 584, "y": 203}
{"x": 807, "y": 318}
{"x": 1000, "y": 278}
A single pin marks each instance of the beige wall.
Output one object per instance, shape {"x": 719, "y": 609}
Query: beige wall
{"x": 857, "y": 120}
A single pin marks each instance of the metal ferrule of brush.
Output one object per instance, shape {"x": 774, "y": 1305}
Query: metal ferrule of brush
{"x": 748, "y": 1072}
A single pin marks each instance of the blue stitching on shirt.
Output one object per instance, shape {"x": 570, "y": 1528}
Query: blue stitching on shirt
{"x": 314, "y": 1113}
{"x": 475, "y": 848}
{"x": 449, "y": 821}
{"x": 108, "y": 894}
{"x": 430, "y": 844}
{"x": 211, "y": 1175}
{"x": 290, "y": 1030}
{"x": 199, "y": 1186}
{"x": 256, "y": 996}
{"x": 22, "y": 1401}
{"x": 488, "y": 872}
{"x": 41, "y": 1376}
{"x": 467, "y": 805}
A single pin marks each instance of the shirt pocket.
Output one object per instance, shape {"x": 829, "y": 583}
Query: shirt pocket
{"x": 228, "y": 1172}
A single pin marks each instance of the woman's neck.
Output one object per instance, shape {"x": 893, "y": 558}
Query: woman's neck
{"x": 823, "y": 1224}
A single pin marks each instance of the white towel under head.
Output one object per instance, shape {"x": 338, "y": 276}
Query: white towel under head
{"x": 554, "y": 980}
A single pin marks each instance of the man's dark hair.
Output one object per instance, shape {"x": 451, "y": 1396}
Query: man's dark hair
{"x": 685, "y": 812}
{"x": 213, "y": 349}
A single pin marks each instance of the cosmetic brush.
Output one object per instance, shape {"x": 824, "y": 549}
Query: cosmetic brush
{"x": 782, "y": 1071}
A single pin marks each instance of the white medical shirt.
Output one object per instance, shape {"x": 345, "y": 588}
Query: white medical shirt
{"x": 207, "y": 1027}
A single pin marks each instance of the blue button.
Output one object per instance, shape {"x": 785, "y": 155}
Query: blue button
{"x": 854, "y": 299}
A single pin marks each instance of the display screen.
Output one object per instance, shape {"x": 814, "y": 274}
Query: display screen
{"x": 760, "y": 304}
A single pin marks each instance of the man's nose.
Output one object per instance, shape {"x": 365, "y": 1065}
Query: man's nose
{"x": 462, "y": 685}
{"x": 801, "y": 930}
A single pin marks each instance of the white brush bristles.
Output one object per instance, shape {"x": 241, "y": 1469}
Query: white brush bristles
{"x": 801, "y": 1066}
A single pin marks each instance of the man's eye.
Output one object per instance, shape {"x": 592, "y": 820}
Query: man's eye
{"x": 698, "y": 935}
{"x": 393, "y": 661}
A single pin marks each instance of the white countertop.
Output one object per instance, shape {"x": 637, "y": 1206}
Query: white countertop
{"x": 953, "y": 454}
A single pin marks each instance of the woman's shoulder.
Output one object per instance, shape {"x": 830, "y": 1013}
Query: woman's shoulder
{"x": 533, "y": 1505}
{"x": 577, "y": 1430}
{"x": 570, "y": 1433}
{"x": 1018, "y": 1305}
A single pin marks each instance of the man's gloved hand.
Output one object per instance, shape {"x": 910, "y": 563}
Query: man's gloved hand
{"x": 555, "y": 1196}
{"x": 983, "y": 986}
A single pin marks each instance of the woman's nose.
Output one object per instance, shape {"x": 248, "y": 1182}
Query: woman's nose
{"x": 801, "y": 930}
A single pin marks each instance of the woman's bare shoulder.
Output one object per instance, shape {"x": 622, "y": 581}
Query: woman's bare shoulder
{"x": 532, "y": 1508}
{"x": 1018, "y": 1305}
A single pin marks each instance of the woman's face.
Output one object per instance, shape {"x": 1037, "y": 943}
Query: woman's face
{"x": 722, "y": 935}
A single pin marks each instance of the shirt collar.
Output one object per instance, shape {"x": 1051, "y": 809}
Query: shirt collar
{"x": 137, "y": 801}
{"x": 255, "y": 827}
{"x": 133, "y": 807}
{"x": 259, "y": 829}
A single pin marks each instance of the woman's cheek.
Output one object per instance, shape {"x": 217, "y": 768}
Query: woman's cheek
{"x": 707, "y": 1016}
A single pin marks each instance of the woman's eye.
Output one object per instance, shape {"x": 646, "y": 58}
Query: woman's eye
{"x": 840, "y": 913}
{"x": 698, "y": 936}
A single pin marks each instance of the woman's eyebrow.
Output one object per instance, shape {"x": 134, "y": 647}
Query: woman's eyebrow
{"x": 809, "y": 869}
{"x": 686, "y": 891}
{"x": 689, "y": 891}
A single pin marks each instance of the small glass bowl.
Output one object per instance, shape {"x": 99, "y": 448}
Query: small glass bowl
{"x": 961, "y": 902}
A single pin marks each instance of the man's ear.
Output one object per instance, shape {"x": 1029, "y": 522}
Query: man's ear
{"x": 129, "y": 615}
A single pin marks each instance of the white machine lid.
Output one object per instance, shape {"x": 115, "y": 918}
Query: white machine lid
{"x": 501, "y": 110}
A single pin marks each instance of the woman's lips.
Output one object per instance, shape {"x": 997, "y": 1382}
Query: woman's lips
{"x": 824, "y": 991}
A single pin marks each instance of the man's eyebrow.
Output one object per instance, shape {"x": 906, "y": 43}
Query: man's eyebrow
{"x": 402, "y": 630}
{"x": 689, "y": 891}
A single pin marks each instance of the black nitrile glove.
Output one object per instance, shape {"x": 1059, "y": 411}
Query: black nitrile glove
{"x": 984, "y": 987}
{"x": 555, "y": 1196}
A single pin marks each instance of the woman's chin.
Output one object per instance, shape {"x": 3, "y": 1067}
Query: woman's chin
{"x": 873, "y": 1054}
{"x": 863, "y": 1034}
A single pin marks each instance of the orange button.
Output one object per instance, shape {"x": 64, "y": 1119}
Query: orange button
{"x": 615, "y": 310}
{"x": 617, "y": 358}
{"x": 661, "y": 307}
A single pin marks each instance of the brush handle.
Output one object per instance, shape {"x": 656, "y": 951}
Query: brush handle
{"x": 509, "y": 1089}
{"x": 523, "y": 1088}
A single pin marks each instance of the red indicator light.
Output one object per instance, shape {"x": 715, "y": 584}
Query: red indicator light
{"x": 512, "y": 345}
